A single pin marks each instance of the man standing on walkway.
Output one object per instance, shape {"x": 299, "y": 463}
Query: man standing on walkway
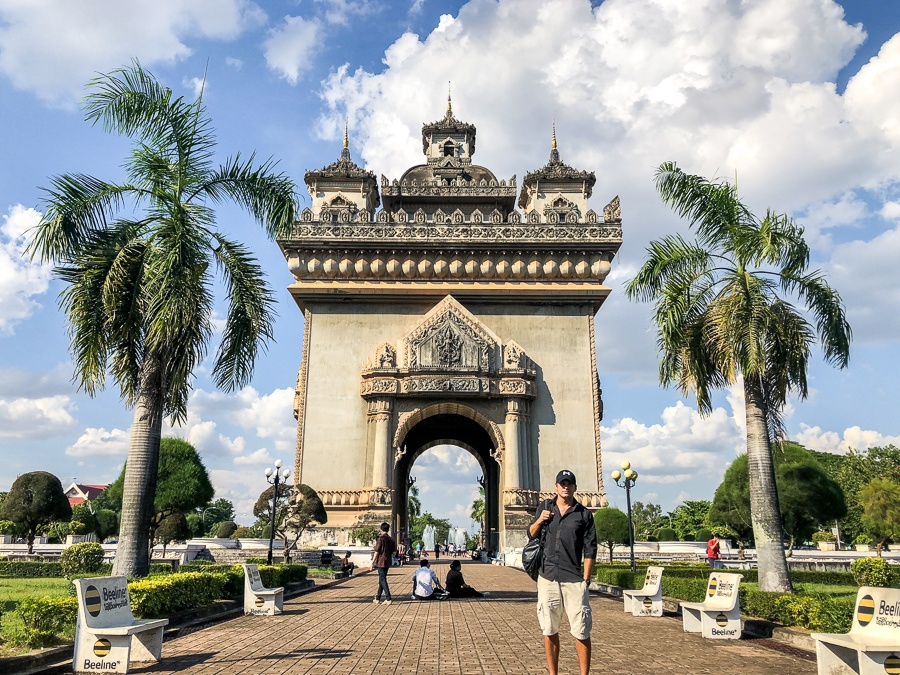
{"x": 382, "y": 558}
{"x": 561, "y": 584}
{"x": 712, "y": 550}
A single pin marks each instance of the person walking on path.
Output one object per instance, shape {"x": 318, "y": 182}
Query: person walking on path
{"x": 712, "y": 550}
{"x": 561, "y": 584}
{"x": 382, "y": 558}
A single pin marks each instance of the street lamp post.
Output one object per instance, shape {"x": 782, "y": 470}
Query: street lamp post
{"x": 628, "y": 479}
{"x": 273, "y": 477}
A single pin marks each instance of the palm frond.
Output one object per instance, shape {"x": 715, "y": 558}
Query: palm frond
{"x": 827, "y": 307}
{"x": 74, "y": 207}
{"x": 712, "y": 207}
{"x": 249, "y": 323}
{"x": 271, "y": 198}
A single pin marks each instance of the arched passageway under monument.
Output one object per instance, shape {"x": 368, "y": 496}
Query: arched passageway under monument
{"x": 461, "y": 431}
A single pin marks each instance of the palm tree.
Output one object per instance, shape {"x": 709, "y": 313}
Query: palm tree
{"x": 136, "y": 257}
{"x": 721, "y": 315}
{"x": 414, "y": 505}
{"x": 477, "y": 512}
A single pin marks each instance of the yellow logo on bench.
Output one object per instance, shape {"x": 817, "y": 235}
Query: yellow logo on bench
{"x": 102, "y": 647}
{"x": 721, "y": 620}
{"x": 713, "y": 584}
{"x": 648, "y": 603}
{"x": 866, "y": 610}
{"x": 892, "y": 664}
{"x": 92, "y": 600}
{"x": 259, "y": 601}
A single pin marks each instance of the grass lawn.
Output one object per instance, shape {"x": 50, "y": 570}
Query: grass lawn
{"x": 13, "y": 590}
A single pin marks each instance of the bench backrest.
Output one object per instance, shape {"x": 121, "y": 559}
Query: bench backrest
{"x": 103, "y": 602}
{"x": 652, "y": 580}
{"x": 877, "y": 613}
{"x": 251, "y": 573}
{"x": 722, "y": 590}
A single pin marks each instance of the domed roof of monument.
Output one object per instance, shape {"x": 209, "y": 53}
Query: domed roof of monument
{"x": 425, "y": 173}
{"x": 556, "y": 170}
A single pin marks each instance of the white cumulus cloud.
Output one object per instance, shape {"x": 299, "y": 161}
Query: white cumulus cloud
{"x": 854, "y": 438}
{"x": 52, "y": 49}
{"x": 21, "y": 280}
{"x": 32, "y": 418}
{"x": 100, "y": 442}
{"x": 290, "y": 46}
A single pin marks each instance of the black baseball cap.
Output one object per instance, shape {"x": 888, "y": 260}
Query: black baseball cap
{"x": 565, "y": 474}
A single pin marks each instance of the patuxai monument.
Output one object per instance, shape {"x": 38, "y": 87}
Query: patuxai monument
{"x": 449, "y": 317}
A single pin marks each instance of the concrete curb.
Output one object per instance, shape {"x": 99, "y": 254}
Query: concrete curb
{"x": 752, "y": 627}
{"x": 222, "y": 610}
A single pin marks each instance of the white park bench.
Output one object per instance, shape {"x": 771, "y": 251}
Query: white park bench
{"x": 258, "y": 599}
{"x": 648, "y": 600}
{"x": 719, "y": 615}
{"x": 873, "y": 643}
{"x": 107, "y": 636}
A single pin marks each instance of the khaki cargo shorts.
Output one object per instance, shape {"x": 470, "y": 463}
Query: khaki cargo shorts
{"x": 573, "y": 597}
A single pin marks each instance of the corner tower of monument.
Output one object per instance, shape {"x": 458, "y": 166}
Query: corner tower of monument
{"x": 448, "y": 317}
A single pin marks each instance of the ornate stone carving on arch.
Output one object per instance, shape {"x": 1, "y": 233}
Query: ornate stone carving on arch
{"x": 451, "y": 338}
{"x": 407, "y": 420}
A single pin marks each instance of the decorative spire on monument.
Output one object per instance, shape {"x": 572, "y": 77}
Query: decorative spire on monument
{"x": 345, "y": 151}
{"x": 554, "y": 153}
{"x": 449, "y": 114}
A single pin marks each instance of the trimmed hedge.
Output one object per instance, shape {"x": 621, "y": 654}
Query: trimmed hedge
{"x": 694, "y": 571}
{"x": 166, "y": 595}
{"x": 21, "y": 569}
{"x": 816, "y": 611}
{"x": 40, "y": 622}
{"x": 83, "y": 558}
{"x": 18, "y": 569}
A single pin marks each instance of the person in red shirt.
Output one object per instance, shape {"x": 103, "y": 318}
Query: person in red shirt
{"x": 712, "y": 550}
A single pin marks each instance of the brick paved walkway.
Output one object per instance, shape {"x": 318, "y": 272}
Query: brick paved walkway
{"x": 339, "y": 630}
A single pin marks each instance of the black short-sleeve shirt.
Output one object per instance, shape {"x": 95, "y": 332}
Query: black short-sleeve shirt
{"x": 570, "y": 539}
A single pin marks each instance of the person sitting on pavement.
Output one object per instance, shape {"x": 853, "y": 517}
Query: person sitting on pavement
{"x": 425, "y": 583}
{"x": 347, "y": 567}
{"x": 457, "y": 586}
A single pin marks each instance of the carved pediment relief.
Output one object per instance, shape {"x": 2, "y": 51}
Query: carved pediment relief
{"x": 514, "y": 357}
{"x": 450, "y": 337}
{"x": 383, "y": 357}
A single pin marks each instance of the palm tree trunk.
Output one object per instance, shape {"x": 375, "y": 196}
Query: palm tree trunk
{"x": 764, "y": 511}
{"x": 139, "y": 489}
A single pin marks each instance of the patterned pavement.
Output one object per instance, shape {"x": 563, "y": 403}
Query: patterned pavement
{"x": 338, "y": 630}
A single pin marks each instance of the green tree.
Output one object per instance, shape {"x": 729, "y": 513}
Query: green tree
{"x": 722, "y": 318}
{"x": 413, "y": 505}
{"x": 107, "y": 523}
{"x": 138, "y": 259}
{"x": 853, "y": 471}
{"x": 182, "y": 481}
{"x": 296, "y": 509}
{"x": 808, "y": 496}
{"x": 365, "y": 535}
{"x": 689, "y": 516}
{"x": 881, "y": 510}
{"x": 612, "y": 528}
{"x": 35, "y": 500}
{"x": 647, "y": 519}
{"x": 173, "y": 527}
{"x": 441, "y": 528}
{"x": 477, "y": 513}
{"x": 225, "y": 529}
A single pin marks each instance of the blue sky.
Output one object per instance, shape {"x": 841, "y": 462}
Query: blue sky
{"x": 798, "y": 98}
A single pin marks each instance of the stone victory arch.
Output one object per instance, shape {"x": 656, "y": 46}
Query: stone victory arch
{"x": 448, "y": 317}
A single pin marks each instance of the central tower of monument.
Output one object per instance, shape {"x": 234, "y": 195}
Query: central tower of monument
{"x": 449, "y": 317}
